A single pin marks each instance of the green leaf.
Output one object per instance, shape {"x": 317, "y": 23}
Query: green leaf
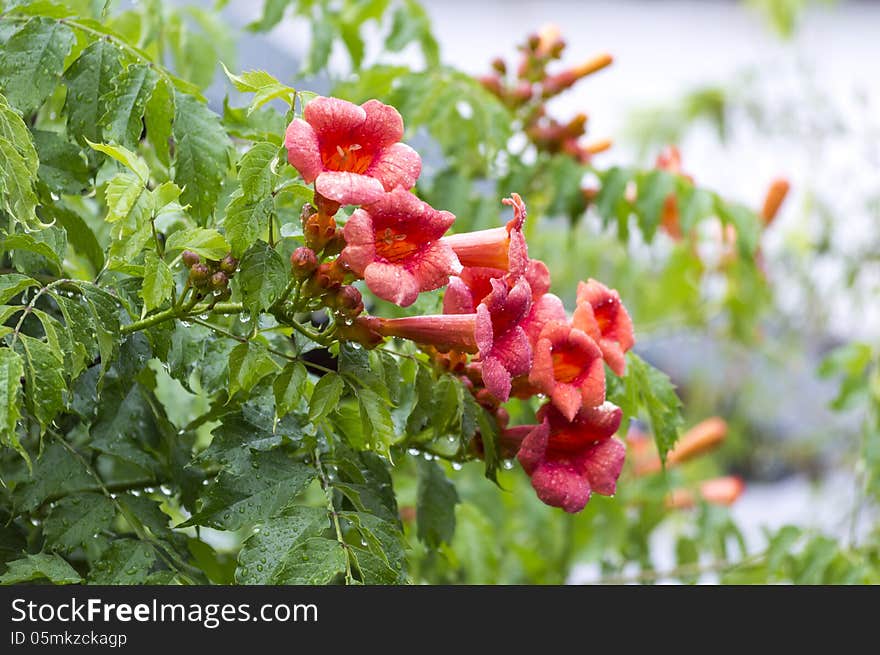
{"x": 158, "y": 117}
{"x": 44, "y": 384}
{"x": 125, "y": 157}
{"x": 105, "y": 321}
{"x": 263, "y": 277}
{"x": 377, "y": 421}
{"x": 255, "y": 170}
{"x": 248, "y": 364}
{"x": 611, "y": 203}
{"x": 412, "y": 24}
{"x": 16, "y": 186}
{"x": 264, "y": 86}
{"x": 325, "y": 396}
{"x": 695, "y": 205}
{"x": 89, "y": 80}
{"x": 62, "y": 167}
{"x": 201, "y": 155}
{"x": 256, "y": 487}
{"x": 657, "y": 398}
{"x": 79, "y": 234}
{"x": 246, "y": 221}
{"x": 39, "y": 567}
{"x": 290, "y": 388}
{"x": 14, "y": 130}
{"x": 746, "y": 222}
{"x": 129, "y": 201}
{"x": 290, "y": 550}
{"x": 126, "y": 562}
{"x": 75, "y": 519}
{"x": 207, "y": 243}
{"x": 273, "y": 12}
{"x": 435, "y": 505}
{"x": 12, "y": 284}
{"x": 379, "y": 554}
{"x": 158, "y": 281}
{"x": 31, "y": 242}
{"x": 31, "y": 62}
{"x": 56, "y": 473}
{"x": 11, "y": 373}
{"x": 122, "y": 122}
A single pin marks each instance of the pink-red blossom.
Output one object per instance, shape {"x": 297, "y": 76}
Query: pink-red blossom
{"x": 394, "y": 243}
{"x": 568, "y": 461}
{"x": 601, "y": 314}
{"x": 567, "y": 367}
{"x": 351, "y": 152}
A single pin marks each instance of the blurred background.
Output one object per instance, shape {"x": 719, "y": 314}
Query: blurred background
{"x": 749, "y": 92}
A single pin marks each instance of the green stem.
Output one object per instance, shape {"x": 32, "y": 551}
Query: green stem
{"x": 334, "y": 515}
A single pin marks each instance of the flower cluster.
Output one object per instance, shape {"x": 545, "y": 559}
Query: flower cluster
{"x": 501, "y": 329}
{"x": 209, "y": 276}
{"x": 527, "y": 90}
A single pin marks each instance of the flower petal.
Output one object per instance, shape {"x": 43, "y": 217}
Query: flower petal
{"x": 303, "y": 150}
{"x": 382, "y": 125}
{"x": 547, "y": 309}
{"x": 392, "y": 283}
{"x": 458, "y": 298}
{"x": 396, "y": 165}
{"x": 332, "y": 116}
{"x": 534, "y": 447}
{"x": 567, "y": 399}
{"x": 434, "y": 265}
{"x": 496, "y": 378}
{"x": 360, "y": 248}
{"x": 602, "y": 465}
{"x": 561, "y": 484}
{"x": 538, "y": 276}
{"x": 349, "y": 188}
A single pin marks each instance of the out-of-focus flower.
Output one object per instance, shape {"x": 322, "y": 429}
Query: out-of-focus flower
{"x": 776, "y": 194}
{"x": 395, "y": 244}
{"x": 601, "y": 314}
{"x": 567, "y": 366}
{"x": 351, "y": 152}
{"x": 568, "y": 461}
{"x": 717, "y": 491}
{"x": 700, "y": 439}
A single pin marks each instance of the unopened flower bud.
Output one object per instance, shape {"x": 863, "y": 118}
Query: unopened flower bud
{"x": 499, "y": 66}
{"x": 199, "y": 275}
{"x": 189, "y": 258}
{"x": 228, "y": 264}
{"x": 348, "y": 301}
{"x": 219, "y": 280}
{"x": 303, "y": 262}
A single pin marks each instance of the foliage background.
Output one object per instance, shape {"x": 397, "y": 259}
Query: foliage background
{"x": 763, "y": 343}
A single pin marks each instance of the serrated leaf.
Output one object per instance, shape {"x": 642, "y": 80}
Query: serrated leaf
{"x": 207, "y": 243}
{"x": 31, "y": 62}
{"x": 158, "y": 118}
{"x": 125, "y": 427}
{"x": 12, "y": 284}
{"x": 126, "y": 562}
{"x": 158, "y": 281}
{"x": 62, "y": 167}
{"x": 290, "y": 550}
{"x": 248, "y": 364}
{"x": 128, "y": 201}
{"x": 14, "y": 130}
{"x": 126, "y": 157}
{"x": 74, "y": 519}
{"x": 42, "y": 566}
{"x": 246, "y": 221}
{"x": 11, "y": 373}
{"x": 654, "y": 187}
{"x": 256, "y": 487}
{"x": 290, "y": 388}
{"x": 56, "y": 473}
{"x": 44, "y": 384}
{"x": 325, "y": 396}
{"x": 435, "y": 505}
{"x": 255, "y": 170}
{"x": 657, "y": 399}
{"x": 89, "y": 79}
{"x": 40, "y": 243}
{"x": 262, "y": 278}
{"x": 379, "y": 555}
{"x": 16, "y": 186}
{"x": 122, "y": 122}
{"x": 201, "y": 154}
{"x": 377, "y": 420}
{"x": 105, "y": 320}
